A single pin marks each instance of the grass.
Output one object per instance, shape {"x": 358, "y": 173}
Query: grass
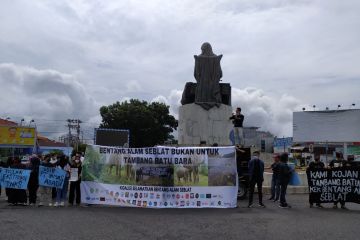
{"x": 203, "y": 181}
{"x": 111, "y": 178}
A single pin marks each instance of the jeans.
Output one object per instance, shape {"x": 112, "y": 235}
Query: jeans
{"x": 251, "y": 190}
{"x": 283, "y": 187}
{"x": 238, "y": 135}
{"x": 275, "y": 187}
{"x": 61, "y": 192}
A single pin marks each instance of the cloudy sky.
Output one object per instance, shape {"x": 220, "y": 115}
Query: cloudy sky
{"x": 65, "y": 59}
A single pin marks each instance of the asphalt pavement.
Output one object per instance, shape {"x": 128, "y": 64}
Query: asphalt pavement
{"x": 99, "y": 222}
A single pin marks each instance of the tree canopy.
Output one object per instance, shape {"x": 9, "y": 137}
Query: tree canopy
{"x": 149, "y": 123}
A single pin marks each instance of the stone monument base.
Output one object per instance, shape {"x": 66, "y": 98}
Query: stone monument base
{"x": 196, "y": 125}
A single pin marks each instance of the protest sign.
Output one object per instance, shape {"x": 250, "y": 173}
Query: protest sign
{"x": 338, "y": 184}
{"x": 74, "y": 174}
{"x": 160, "y": 177}
{"x": 14, "y": 178}
{"x": 51, "y": 177}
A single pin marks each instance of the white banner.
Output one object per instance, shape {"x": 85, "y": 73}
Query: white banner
{"x": 327, "y": 126}
{"x": 160, "y": 177}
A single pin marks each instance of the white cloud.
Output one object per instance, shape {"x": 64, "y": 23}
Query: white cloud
{"x": 43, "y": 94}
{"x": 272, "y": 114}
{"x": 295, "y": 51}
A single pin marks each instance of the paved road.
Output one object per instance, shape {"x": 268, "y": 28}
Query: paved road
{"x": 89, "y": 223}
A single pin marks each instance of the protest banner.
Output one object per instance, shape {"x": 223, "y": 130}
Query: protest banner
{"x": 74, "y": 174}
{"x": 338, "y": 184}
{"x": 51, "y": 177}
{"x": 14, "y": 178}
{"x": 160, "y": 177}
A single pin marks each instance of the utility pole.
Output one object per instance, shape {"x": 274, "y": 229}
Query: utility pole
{"x": 74, "y": 124}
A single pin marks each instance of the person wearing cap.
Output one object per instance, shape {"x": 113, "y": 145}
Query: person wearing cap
{"x": 256, "y": 177}
{"x": 275, "y": 186}
{"x": 316, "y": 164}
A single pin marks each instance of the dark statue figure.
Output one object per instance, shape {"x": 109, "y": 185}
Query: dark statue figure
{"x": 207, "y": 92}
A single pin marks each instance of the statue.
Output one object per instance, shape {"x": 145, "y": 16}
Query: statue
{"x": 207, "y": 73}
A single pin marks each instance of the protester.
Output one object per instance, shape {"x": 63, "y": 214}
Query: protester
{"x": 256, "y": 177}
{"x": 238, "y": 120}
{"x": 2, "y": 165}
{"x": 316, "y": 164}
{"x": 339, "y": 162}
{"x": 45, "y": 193}
{"x": 61, "y": 192}
{"x": 53, "y": 163}
{"x": 8, "y": 163}
{"x": 17, "y": 196}
{"x": 284, "y": 178}
{"x": 75, "y": 185}
{"x": 351, "y": 161}
{"x": 33, "y": 184}
{"x": 275, "y": 186}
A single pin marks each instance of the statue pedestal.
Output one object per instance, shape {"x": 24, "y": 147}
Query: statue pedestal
{"x": 196, "y": 125}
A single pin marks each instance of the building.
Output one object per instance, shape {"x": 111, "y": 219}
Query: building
{"x": 46, "y": 146}
{"x": 261, "y": 140}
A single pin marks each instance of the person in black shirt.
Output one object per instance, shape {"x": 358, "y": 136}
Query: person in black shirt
{"x": 339, "y": 162}
{"x": 351, "y": 162}
{"x": 75, "y": 185}
{"x": 256, "y": 176}
{"x": 275, "y": 186}
{"x": 316, "y": 164}
{"x": 33, "y": 184}
{"x": 238, "y": 120}
{"x": 284, "y": 177}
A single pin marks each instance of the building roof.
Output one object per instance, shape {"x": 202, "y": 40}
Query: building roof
{"x": 4, "y": 122}
{"x": 46, "y": 142}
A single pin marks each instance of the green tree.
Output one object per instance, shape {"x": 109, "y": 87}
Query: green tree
{"x": 149, "y": 123}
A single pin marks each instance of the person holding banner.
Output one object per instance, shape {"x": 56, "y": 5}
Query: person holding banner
{"x": 45, "y": 193}
{"x": 75, "y": 180}
{"x": 53, "y": 163}
{"x": 2, "y": 165}
{"x": 339, "y": 162}
{"x": 317, "y": 164}
{"x": 17, "y": 196}
{"x": 33, "y": 184}
{"x": 256, "y": 176}
{"x": 61, "y": 192}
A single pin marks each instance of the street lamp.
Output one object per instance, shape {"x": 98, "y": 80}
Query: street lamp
{"x": 32, "y": 121}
